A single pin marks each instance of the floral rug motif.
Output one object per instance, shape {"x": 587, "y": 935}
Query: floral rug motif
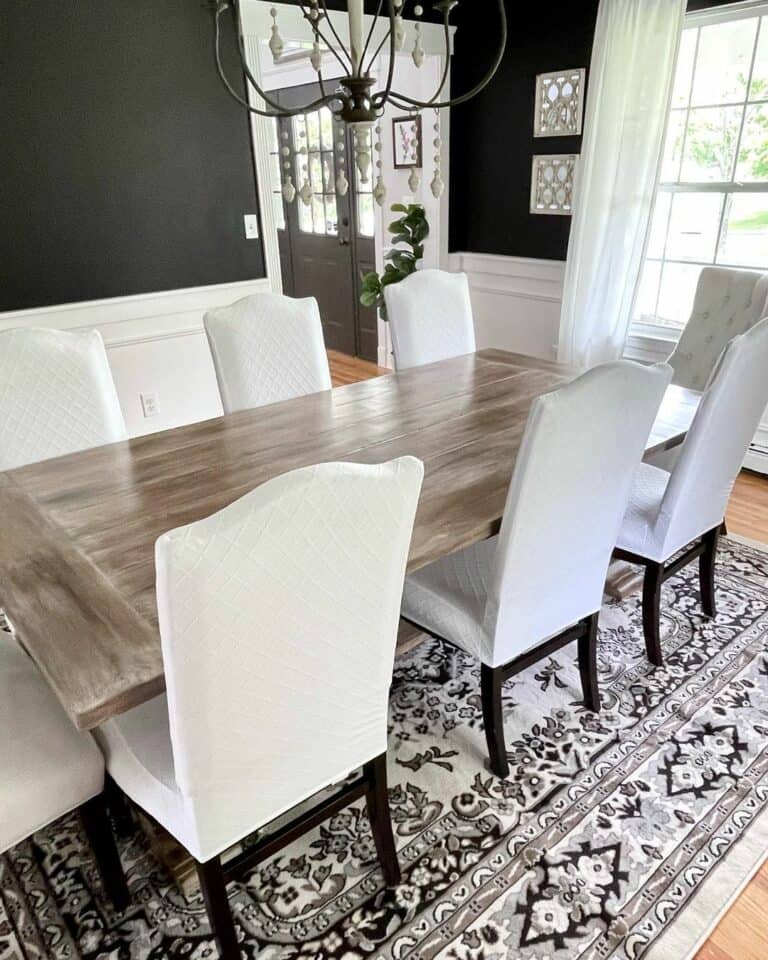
{"x": 601, "y": 837}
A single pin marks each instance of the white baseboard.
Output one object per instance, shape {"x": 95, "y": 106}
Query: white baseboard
{"x": 516, "y": 301}
{"x": 155, "y": 344}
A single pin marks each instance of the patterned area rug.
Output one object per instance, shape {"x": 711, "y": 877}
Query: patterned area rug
{"x": 611, "y": 829}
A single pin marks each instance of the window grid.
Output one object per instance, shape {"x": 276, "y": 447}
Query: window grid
{"x": 313, "y": 137}
{"x": 275, "y": 171}
{"x": 673, "y": 186}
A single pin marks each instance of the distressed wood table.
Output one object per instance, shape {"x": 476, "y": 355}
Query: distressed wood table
{"x": 77, "y": 533}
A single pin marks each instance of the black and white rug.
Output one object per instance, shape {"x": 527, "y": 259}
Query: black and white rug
{"x": 621, "y": 835}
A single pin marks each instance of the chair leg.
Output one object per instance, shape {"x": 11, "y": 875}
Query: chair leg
{"x": 377, "y": 801}
{"x": 707, "y": 572}
{"x": 588, "y": 665}
{"x": 491, "y": 682}
{"x": 214, "y": 890}
{"x": 93, "y": 816}
{"x": 652, "y": 612}
{"x": 118, "y": 807}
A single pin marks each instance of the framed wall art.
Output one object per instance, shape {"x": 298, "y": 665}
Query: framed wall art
{"x": 406, "y": 132}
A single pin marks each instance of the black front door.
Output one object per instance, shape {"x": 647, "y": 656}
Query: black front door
{"x": 326, "y": 244}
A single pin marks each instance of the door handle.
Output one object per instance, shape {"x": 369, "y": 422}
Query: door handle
{"x": 344, "y": 239}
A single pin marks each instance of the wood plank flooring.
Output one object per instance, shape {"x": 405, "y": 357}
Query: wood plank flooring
{"x": 743, "y": 933}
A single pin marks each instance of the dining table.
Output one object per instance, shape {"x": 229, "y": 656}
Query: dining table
{"x": 78, "y": 532}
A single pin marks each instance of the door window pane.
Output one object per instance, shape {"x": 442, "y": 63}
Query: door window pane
{"x": 723, "y": 61}
{"x": 365, "y": 217}
{"x": 710, "y": 144}
{"x": 305, "y": 216}
{"x": 313, "y": 131}
{"x": 678, "y": 286}
{"x": 693, "y": 226}
{"x": 753, "y": 151}
{"x": 745, "y": 231}
{"x": 326, "y": 129}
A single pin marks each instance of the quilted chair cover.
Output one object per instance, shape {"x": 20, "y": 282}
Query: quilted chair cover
{"x": 727, "y": 303}
{"x": 546, "y": 570}
{"x": 47, "y": 767}
{"x": 430, "y": 318}
{"x": 668, "y": 510}
{"x": 56, "y": 395}
{"x": 267, "y": 348}
{"x": 278, "y": 618}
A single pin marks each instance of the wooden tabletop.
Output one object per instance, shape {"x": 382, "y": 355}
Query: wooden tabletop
{"x": 77, "y": 533}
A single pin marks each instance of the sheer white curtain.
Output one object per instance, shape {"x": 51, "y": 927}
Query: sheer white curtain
{"x": 630, "y": 82}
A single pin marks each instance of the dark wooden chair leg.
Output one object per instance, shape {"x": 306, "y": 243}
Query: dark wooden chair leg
{"x": 588, "y": 665}
{"x": 707, "y": 572}
{"x": 118, "y": 807}
{"x": 93, "y": 816}
{"x": 377, "y": 801}
{"x": 652, "y": 612}
{"x": 491, "y": 682}
{"x": 214, "y": 890}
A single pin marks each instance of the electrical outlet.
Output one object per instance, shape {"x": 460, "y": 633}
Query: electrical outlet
{"x": 251, "y": 222}
{"x": 149, "y": 404}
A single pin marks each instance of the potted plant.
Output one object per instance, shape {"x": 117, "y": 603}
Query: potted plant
{"x": 409, "y": 231}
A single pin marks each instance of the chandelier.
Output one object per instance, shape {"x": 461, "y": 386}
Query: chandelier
{"x": 355, "y": 100}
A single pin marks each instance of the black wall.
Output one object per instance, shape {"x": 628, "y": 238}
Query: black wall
{"x": 124, "y": 166}
{"x": 492, "y": 136}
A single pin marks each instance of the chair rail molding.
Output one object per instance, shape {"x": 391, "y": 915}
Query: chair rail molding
{"x": 516, "y": 301}
{"x": 155, "y": 344}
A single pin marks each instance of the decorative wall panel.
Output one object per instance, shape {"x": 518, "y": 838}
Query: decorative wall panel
{"x": 559, "y": 103}
{"x": 552, "y": 179}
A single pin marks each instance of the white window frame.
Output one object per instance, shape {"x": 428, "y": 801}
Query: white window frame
{"x": 648, "y": 340}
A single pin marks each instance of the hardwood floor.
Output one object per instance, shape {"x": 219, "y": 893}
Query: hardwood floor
{"x": 743, "y": 933}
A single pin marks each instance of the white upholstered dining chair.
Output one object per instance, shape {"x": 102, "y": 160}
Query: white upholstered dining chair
{"x": 57, "y": 395}
{"x": 539, "y": 584}
{"x": 48, "y": 768}
{"x": 727, "y": 303}
{"x": 267, "y": 348}
{"x": 430, "y": 318}
{"x": 278, "y": 619}
{"x": 670, "y": 510}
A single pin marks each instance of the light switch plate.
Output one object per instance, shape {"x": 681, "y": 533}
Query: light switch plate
{"x": 251, "y": 222}
{"x": 149, "y": 404}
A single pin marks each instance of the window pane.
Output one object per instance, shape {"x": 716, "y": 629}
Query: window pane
{"x": 682, "y": 90}
{"x": 318, "y": 214}
{"x": 648, "y": 291}
{"x": 759, "y": 87}
{"x": 315, "y": 172}
{"x": 329, "y": 175}
{"x": 313, "y": 131}
{"x": 272, "y": 135}
{"x": 365, "y": 214}
{"x": 753, "y": 152}
{"x": 305, "y": 216}
{"x": 722, "y": 64}
{"x": 693, "y": 226}
{"x": 678, "y": 285}
{"x": 326, "y": 129}
{"x": 277, "y": 203}
{"x": 745, "y": 231}
{"x": 673, "y": 146}
{"x": 710, "y": 144}
{"x": 659, "y": 224}
{"x": 331, "y": 216}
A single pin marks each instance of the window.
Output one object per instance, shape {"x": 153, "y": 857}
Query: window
{"x": 712, "y": 202}
{"x": 313, "y": 139}
{"x": 276, "y": 179}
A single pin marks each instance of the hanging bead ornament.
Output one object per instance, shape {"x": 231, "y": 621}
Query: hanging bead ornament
{"x": 418, "y": 49}
{"x": 316, "y": 57}
{"x": 414, "y": 180}
{"x": 380, "y": 190}
{"x": 399, "y": 26}
{"x": 362, "y": 137}
{"x": 342, "y": 184}
{"x": 437, "y": 186}
{"x": 276, "y": 44}
{"x": 289, "y": 191}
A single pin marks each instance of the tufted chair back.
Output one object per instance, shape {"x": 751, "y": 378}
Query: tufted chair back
{"x": 727, "y": 303}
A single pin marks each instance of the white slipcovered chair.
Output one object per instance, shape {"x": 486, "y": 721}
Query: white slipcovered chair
{"x": 539, "y": 584}
{"x": 57, "y": 395}
{"x": 278, "y": 619}
{"x": 727, "y": 303}
{"x": 48, "y": 768}
{"x": 669, "y": 510}
{"x": 430, "y": 318}
{"x": 267, "y": 348}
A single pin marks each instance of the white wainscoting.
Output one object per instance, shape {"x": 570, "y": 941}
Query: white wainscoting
{"x": 155, "y": 344}
{"x": 516, "y": 301}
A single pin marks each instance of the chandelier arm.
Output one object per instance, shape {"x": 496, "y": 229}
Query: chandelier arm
{"x": 370, "y": 33}
{"x": 478, "y": 88}
{"x": 379, "y": 99}
{"x": 338, "y": 39}
{"x": 325, "y": 101}
{"x": 316, "y": 28}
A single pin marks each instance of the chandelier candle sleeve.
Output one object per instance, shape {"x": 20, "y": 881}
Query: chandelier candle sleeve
{"x": 356, "y": 34}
